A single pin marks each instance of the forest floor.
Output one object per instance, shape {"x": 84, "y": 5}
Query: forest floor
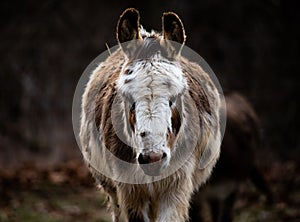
{"x": 68, "y": 193}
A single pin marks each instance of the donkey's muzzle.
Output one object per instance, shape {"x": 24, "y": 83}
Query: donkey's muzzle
{"x": 151, "y": 157}
{"x": 152, "y": 163}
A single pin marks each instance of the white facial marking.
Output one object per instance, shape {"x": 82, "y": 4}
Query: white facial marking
{"x": 150, "y": 85}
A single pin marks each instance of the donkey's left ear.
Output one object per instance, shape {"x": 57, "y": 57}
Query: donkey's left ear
{"x": 172, "y": 29}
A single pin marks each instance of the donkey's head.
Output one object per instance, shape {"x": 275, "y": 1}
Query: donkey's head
{"x": 152, "y": 85}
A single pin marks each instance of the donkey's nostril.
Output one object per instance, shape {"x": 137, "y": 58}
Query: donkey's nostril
{"x": 164, "y": 155}
{"x": 143, "y": 159}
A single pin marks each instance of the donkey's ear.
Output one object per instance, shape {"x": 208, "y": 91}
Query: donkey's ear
{"x": 128, "y": 26}
{"x": 172, "y": 28}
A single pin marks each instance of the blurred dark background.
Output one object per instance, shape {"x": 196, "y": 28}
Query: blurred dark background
{"x": 252, "y": 46}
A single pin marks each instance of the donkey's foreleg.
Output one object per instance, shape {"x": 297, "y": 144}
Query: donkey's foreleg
{"x": 173, "y": 213}
{"x": 134, "y": 203}
{"x": 174, "y": 208}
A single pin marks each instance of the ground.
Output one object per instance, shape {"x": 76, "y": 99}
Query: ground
{"x": 68, "y": 193}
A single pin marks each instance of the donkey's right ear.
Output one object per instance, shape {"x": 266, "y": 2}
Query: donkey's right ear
{"x": 173, "y": 30}
{"x": 128, "y": 26}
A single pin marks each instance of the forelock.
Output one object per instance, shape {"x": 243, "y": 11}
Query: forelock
{"x": 145, "y": 34}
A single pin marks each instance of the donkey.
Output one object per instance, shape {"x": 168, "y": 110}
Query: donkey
{"x": 150, "y": 124}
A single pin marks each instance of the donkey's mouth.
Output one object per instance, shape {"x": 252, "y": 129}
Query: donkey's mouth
{"x": 154, "y": 169}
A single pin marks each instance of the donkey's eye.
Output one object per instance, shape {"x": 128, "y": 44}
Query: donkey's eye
{"x": 132, "y": 119}
{"x": 172, "y": 100}
{"x": 128, "y": 71}
{"x": 132, "y": 108}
